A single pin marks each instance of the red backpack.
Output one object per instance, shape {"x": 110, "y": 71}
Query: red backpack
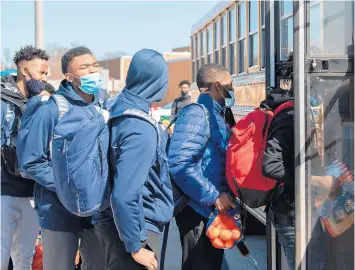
{"x": 245, "y": 158}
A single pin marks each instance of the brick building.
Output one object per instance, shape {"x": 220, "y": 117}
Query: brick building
{"x": 179, "y": 64}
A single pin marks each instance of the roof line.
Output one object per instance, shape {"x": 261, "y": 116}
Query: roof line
{"x": 218, "y": 8}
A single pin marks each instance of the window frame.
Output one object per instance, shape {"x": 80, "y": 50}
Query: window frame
{"x": 217, "y": 36}
{"x": 242, "y": 38}
{"x": 232, "y": 42}
{"x": 225, "y": 46}
{"x": 281, "y": 19}
{"x": 262, "y": 56}
{"x": 210, "y": 28}
{"x": 256, "y": 32}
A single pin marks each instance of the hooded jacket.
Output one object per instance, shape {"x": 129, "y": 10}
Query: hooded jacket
{"x": 278, "y": 161}
{"x": 12, "y": 185}
{"x": 36, "y": 163}
{"x": 140, "y": 199}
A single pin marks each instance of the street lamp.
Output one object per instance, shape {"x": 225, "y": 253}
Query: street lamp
{"x": 39, "y": 24}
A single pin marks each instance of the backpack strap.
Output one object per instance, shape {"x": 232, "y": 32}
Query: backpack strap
{"x": 62, "y": 105}
{"x": 283, "y": 106}
{"x": 207, "y": 115}
{"x": 142, "y": 115}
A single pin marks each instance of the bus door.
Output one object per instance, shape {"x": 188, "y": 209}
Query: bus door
{"x": 323, "y": 44}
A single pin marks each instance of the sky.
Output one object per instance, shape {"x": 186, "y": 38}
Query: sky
{"x": 103, "y": 26}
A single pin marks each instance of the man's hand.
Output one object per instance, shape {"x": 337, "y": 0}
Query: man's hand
{"x": 225, "y": 202}
{"x": 145, "y": 257}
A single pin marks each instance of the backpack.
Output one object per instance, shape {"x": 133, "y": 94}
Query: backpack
{"x": 79, "y": 152}
{"x": 14, "y": 110}
{"x": 245, "y": 158}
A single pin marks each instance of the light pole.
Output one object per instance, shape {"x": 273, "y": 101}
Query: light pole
{"x": 39, "y": 24}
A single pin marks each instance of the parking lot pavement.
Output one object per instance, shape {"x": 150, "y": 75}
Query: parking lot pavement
{"x": 232, "y": 259}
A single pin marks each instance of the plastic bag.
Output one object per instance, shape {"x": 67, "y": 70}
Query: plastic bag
{"x": 224, "y": 229}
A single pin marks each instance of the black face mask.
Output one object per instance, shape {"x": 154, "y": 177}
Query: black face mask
{"x": 184, "y": 94}
{"x": 33, "y": 86}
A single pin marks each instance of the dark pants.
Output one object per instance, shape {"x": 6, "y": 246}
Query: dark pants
{"x": 115, "y": 254}
{"x": 197, "y": 250}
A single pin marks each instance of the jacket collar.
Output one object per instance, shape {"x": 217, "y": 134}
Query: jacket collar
{"x": 210, "y": 104}
{"x": 134, "y": 100}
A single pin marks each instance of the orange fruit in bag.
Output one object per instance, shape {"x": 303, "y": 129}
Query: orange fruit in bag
{"x": 229, "y": 243}
{"x": 218, "y": 243}
{"x": 236, "y": 234}
{"x": 213, "y": 232}
{"x": 225, "y": 235}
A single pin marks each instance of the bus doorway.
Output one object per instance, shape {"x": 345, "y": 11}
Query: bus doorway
{"x": 323, "y": 46}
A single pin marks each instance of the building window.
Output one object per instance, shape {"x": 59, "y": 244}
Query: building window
{"x": 196, "y": 47}
{"x": 263, "y": 38}
{"x": 216, "y": 41}
{"x": 241, "y": 37}
{"x": 192, "y": 49}
{"x": 286, "y": 28}
{"x": 232, "y": 38}
{"x": 253, "y": 33}
{"x": 224, "y": 40}
{"x": 209, "y": 43}
{"x": 203, "y": 47}
{"x": 193, "y": 71}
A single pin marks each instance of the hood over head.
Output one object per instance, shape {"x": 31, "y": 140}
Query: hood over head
{"x": 147, "y": 75}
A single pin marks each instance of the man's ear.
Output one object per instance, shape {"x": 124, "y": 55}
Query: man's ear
{"x": 69, "y": 77}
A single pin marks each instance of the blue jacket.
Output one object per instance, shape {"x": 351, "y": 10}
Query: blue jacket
{"x": 36, "y": 163}
{"x": 139, "y": 201}
{"x": 197, "y": 156}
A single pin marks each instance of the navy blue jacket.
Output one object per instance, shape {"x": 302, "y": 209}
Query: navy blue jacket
{"x": 36, "y": 164}
{"x": 197, "y": 154}
{"x": 12, "y": 185}
{"x": 139, "y": 201}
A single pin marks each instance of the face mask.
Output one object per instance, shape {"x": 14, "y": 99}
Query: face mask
{"x": 90, "y": 84}
{"x": 34, "y": 87}
{"x": 228, "y": 102}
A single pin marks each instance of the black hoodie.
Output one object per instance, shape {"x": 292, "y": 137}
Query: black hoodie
{"x": 12, "y": 185}
{"x": 278, "y": 162}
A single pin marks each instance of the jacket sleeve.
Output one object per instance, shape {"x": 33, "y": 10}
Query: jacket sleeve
{"x": 278, "y": 161}
{"x": 34, "y": 155}
{"x": 4, "y": 129}
{"x": 185, "y": 153}
{"x": 135, "y": 154}
{"x": 173, "y": 111}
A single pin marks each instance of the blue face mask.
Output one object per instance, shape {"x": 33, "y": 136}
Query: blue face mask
{"x": 91, "y": 84}
{"x": 229, "y": 102}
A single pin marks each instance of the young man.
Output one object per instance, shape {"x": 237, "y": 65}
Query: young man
{"x": 197, "y": 155}
{"x": 62, "y": 231}
{"x": 183, "y": 100}
{"x": 141, "y": 200}
{"x": 19, "y": 225}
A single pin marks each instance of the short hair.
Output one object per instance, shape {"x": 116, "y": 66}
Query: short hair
{"x": 285, "y": 68}
{"x": 71, "y": 54}
{"x": 184, "y": 82}
{"x": 49, "y": 88}
{"x": 208, "y": 74}
{"x": 29, "y": 53}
